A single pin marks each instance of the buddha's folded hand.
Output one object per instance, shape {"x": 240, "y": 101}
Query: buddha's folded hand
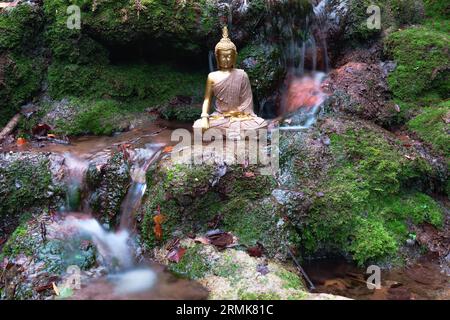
{"x": 205, "y": 123}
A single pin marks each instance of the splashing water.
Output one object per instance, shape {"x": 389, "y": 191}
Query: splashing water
{"x": 76, "y": 171}
{"x": 113, "y": 247}
{"x": 303, "y": 100}
{"x": 134, "y": 281}
{"x": 117, "y": 250}
{"x": 300, "y": 37}
{"x": 142, "y": 159}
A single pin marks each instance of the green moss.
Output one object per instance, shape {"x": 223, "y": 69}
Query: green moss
{"x": 185, "y": 180}
{"x": 406, "y": 11}
{"x": 422, "y": 57}
{"x": 371, "y": 241}
{"x": 155, "y": 84}
{"x": 290, "y": 280}
{"x": 184, "y": 113}
{"x": 15, "y": 246}
{"x": 258, "y": 222}
{"x": 99, "y": 117}
{"x": 23, "y": 184}
{"x": 120, "y": 22}
{"x": 244, "y": 295}
{"x": 70, "y": 45}
{"x": 238, "y": 204}
{"x": 192, "y": 265}
{"x": 236, "y": 185}
{"x": 228, "y": 268}
{"x": 22, "y": 80}
{"x": 364, "y": 209}
{"x": 430, "y": 125}
{"x": 109, "y": 97}
{"x": 394, "y": 13}
{"x": 20, "y": 28}
{"x": 413, "y": 208}
{"x": 356, "y": 24}
{"x": 123, "y": 82}
{"x": 108, "y": 197}
{"x": 438, "y": 14}
{"x": 263, "y": 66}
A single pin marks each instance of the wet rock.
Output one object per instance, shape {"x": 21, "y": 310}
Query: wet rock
{"x": 361, "y": 89}
{"x": 263, "y": 66}
{"x": 33, "y": 263}
{"x": 321, "y": 171}
{"x": 108, "y": 181}
{"x": 233, "y": 274}
{"x": 232, "y": 198}
{"x": 28, "y": 182}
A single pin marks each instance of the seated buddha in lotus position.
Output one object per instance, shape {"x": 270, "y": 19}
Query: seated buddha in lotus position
{"x": 232, "y": 90}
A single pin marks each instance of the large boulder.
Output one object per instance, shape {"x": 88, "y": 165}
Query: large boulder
{"x": 28, "y": 183}
{"x": 362, "y": 188}
{"x": 235, "y": 275}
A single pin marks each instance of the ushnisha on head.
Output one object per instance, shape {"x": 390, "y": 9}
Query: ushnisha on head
{"x": 226, "y": 52}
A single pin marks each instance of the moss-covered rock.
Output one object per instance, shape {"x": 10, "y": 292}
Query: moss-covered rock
{"x": 108, "y": 184}
{"x": 37, "y": 254}
{"x": 123, "y": 22}
{"x": 437, "y": 13}
{"x": 393, "y": 14}
{"x": 20, "y": 28}
{"x": 21, "y": 63}
{"x": 233, "y": 274}
{"x": 20, "y": 80}
{"x": 361, "y": 193}
{"x": 423, "y": 64}
{"x": 66, "y": 44}
{"x": 102, "y": 99}
{"x": 156, "y": 84}
{"x": 264, "y": 67}
{"x": 25, "y": 183}
{"x": 78, "y": 116}
{"x": 192, "y": 201}
{"x": 432, "y": 126}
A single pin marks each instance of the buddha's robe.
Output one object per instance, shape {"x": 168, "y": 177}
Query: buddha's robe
{"x": 234, "y": 104}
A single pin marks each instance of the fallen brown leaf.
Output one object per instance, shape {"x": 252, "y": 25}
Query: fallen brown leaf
{"x": 256, "y": 251}
{"x": 176, "y": 254}
{"x": 40, "y": 129}
{"x": 221, "y": 240}
{"x": 249, "y": 174}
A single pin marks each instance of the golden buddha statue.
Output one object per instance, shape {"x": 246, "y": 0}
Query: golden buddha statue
{"x": 232, "y": 89}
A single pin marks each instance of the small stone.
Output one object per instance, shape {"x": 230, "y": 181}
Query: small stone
{"x": 326, "y": 141}
{"x": 262, "y": 269}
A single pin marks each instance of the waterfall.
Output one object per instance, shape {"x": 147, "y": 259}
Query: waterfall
{"x": 75, "y": 175}
{"x": 142, "y": 159}
{"x": 301, "y": 39}
{"x": 116, "y": 249}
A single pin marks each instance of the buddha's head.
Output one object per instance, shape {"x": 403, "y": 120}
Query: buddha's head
{"x": 226, "y": 52}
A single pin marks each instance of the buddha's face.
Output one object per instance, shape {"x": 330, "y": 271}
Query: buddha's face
{"x": 226, "y": 59}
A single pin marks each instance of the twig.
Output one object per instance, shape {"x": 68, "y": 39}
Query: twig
{"x": 10, "y": 126}
{"x": 299, "y": 267}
